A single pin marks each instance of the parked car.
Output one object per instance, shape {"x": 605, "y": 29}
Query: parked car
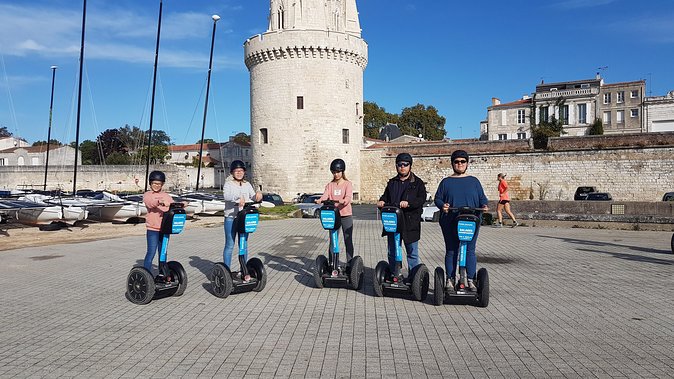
{"x": 669, "y": 196}
{"x": 309, "y": 207}
{"x": 272, "y": 198}
{"x": 599, "y": 196}
{"x": 581, "y": 192}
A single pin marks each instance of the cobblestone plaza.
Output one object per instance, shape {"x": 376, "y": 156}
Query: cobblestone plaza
{"x": 564, "y": 303}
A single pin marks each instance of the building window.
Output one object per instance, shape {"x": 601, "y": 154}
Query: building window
{"x": 300, "y": 102}
{"x": 34, "y": 161}
{"x": 357, "y": 109}
{"x": 502, "y": 137}
{"x": 634, "y": 94}
{"x": 264, "y": 137}
{"x": 345, "y": 136}
{"x": 620, "y": 117}
{"x": 2, "y": 162}
{"x": 585, "y": 85}
{"x": 607, "y": 118}
{"x": 521, "y": 136}
{"x": 564, "y": 114}
{"x": 634, "y": 113}
{"x": 20, "y": 161}
{"x": 607, "y": 98}
{"x": 582, "y": 113}
{"x": 544, "y": 114}
{"x": 504, "y": 118}
{"x": 620, "y": 97}
{"x": 521, "y": 116}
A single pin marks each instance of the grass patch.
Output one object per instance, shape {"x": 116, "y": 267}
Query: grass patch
{"x": 278, "y": 210}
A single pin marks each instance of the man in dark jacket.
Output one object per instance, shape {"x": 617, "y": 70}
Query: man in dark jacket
{"x": 408, "y": 192}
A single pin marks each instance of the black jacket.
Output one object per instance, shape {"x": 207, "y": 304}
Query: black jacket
{"x": 415, "y": 195}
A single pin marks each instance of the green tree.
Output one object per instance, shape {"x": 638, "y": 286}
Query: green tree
{"x": 206, "y": 140}
{"x": 4, "y": 133}
{"x": 544, "y": 130}
{"x": 423, "y": 120}
{"x": 160, "y": 138}
{"x": 375, "y": 118}
{"x": 51, "y": 142}
{"x": 597, "y": 128}
{"x": 132, "y": 138}
{"x": 158, "y": 154}
{"x": 241, "y": 138}
{"x": 89, "y": 151}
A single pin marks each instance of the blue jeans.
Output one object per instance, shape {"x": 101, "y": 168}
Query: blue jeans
{"x": 452, "y": 250}
{"x": 230, "y": 239}
{"x": 154, "y": 242}
{"x": 412, "y": 250}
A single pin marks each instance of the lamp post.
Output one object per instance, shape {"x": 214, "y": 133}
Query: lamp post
{"x": 215, "y": 18}
{"x": 51, "y": 107}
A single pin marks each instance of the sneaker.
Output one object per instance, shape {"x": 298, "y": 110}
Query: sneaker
{"x": 471, "y": 285}
{"x": 450, "y": 285}
{"x": 498, "y": 225}
{"x": 516, "y": 224}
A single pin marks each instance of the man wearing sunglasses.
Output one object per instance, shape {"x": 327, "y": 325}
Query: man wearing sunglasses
{"x": 407, "y": 192}
{"x": 456, "y": 191}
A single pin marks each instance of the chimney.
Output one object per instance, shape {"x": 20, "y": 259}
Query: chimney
{"x": 598, "y": 76}
{"x": 495, "y": 101}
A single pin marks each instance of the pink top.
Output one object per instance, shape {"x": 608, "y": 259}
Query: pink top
{"x": 503, "y": 190}
{"x": 340, "y": 192}
{"x": 157, "y": 203}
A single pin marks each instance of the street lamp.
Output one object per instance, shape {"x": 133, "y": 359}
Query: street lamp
{"x": 51, "y": 107}
{"x": 215, "y": 18}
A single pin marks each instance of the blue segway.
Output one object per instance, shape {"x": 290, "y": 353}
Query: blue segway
{"x": 390, "y": 279}
{"x": 252, "y": 276}
{"x": 329, "y": 270}
{"x": 467, "y": 225}
{"x": 141, "y": 287}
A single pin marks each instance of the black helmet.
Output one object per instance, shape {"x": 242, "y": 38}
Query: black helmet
{"x": 337, "y": 165}
{"x": 237, "y": 164}
{"x": 459, "y": 154}
{"x": 156, "y": 176}
{"x": 404, "y": 157}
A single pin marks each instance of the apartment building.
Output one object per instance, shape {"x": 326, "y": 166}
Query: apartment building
{"x": 576, "y": 103}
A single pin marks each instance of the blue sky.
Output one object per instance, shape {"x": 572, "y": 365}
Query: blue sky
{"x": 453, "y": 55}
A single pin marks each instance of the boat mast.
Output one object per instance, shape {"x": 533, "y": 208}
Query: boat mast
{"x": 208, "y": 87}
{"x": 154, "y": 86}
{"x": 51, "y": 107}
{"x": 79, "y": 98}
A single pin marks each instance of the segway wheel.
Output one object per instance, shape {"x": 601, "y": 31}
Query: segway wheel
{"x": 420, "y": 282}
{"x": 356, "y": 273}
{"x": 257, "y": 271}
{"x": 482, "y": 288}
{"x": 439, "y": 286}
{"x": 179, "y": 275}
{"x": 221, "y": 280}
{"x": 381, "y": 272}
{"x": 140, "y": 286}
{"x": 320, "y": 269}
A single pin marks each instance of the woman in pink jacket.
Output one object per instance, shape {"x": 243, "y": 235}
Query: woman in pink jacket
{"x": 340, "y": 190}
{"x": 157, "y": 202}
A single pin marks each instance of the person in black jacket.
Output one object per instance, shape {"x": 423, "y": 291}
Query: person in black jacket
{"x": 407, "y": 192}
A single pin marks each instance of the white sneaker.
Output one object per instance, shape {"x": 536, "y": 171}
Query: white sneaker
{"x": 450, "y": 285}
{"x": 498, "y": 225}
{"x": 471, "y": 285}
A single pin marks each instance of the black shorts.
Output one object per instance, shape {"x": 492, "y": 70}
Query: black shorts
{"x": 503, "y": 201}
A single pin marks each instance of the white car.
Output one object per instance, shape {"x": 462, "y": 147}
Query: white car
{"x": 309, "y": 207}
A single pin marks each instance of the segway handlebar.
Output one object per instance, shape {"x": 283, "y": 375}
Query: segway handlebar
{"x": 476, "y": 211}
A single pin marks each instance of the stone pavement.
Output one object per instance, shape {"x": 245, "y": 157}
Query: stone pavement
{"x": 564, "y": 303}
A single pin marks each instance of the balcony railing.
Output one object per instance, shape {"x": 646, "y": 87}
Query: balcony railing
{"x": 567, "y": 93}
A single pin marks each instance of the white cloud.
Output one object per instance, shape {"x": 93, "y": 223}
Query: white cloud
{"x": 112, "y": 34}
{"x": 575, "y": 4}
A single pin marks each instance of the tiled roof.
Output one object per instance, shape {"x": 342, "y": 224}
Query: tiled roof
{"x": 517, "y": 102}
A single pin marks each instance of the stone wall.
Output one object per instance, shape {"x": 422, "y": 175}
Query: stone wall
{"x": 112, "y": 178}
{"x": 629, "y": 174}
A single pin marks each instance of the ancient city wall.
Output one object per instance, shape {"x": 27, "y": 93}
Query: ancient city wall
{"x": 628, "y": 173}
{"x": 111, "y": 178}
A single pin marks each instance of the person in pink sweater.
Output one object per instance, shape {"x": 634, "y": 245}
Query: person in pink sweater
{"x": 340, "y": 190}
{"x": 157, "y": 202}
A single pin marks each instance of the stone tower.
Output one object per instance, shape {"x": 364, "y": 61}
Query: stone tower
{"x": 306, "y": 95}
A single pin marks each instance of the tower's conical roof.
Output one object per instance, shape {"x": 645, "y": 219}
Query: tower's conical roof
{"x": 332, "y": 15}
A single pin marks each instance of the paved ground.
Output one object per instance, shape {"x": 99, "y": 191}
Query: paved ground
{"x": 564, "y": 303}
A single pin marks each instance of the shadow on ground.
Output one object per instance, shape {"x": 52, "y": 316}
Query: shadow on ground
{"x": 602, "y": 244}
